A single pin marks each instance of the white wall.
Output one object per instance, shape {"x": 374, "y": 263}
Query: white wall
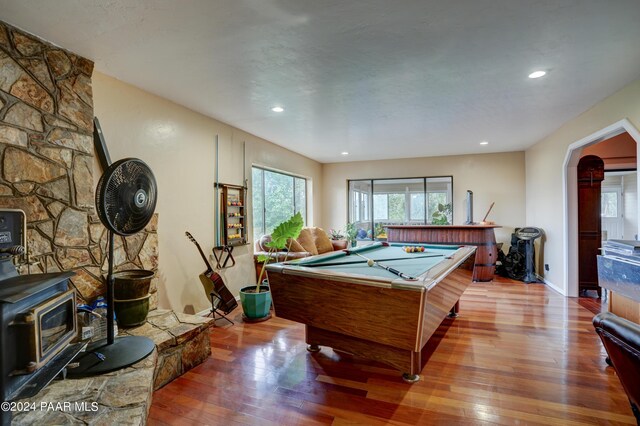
{"x": 178, "y": 144}
{"x": 544, "y": 173}
{"x": 491, "y": 177}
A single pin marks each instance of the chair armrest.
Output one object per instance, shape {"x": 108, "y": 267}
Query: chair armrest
{"x": 339, "y": 244}
{"x": 280, "y": 256}
{"x": 296, "y": 255}
{"x": 621, "y": 339}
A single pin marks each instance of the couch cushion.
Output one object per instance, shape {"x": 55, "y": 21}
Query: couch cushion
{"x": 321, "y": 240}
{"x": 295, "y": 246}
{"x": 307, "y": 241}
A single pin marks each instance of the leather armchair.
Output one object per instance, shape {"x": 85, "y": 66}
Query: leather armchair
{"x": 621, "y": 339}
{"x": 313, "y": 238}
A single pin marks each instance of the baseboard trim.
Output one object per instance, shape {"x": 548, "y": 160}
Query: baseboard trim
{"x": 552, "y": 286}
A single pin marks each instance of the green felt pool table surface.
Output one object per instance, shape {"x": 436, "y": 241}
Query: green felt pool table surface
{"x": 392, "y": 255}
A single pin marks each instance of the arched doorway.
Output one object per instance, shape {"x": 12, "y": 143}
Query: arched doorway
{"x": 570, "y": 195}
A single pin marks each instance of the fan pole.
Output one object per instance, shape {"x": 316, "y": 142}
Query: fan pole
{"x": 110, "y": 302}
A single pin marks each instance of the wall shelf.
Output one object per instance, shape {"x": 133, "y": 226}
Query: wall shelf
{"x": 231, "y": 229}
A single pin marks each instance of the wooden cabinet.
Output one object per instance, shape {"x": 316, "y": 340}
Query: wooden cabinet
{"x": 590, "y": 176}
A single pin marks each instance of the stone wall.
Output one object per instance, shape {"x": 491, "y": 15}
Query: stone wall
{"x": 46, "y": 164}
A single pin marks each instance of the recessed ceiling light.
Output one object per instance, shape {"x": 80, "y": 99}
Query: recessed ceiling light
{"x": 537, "y": 74}
{"x": 277, "y": 109}
{"x": 344, "y": 153}
{"x": 484, "y": 143}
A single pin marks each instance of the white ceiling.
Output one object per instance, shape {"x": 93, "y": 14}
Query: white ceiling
{"x": 378, "y": 78}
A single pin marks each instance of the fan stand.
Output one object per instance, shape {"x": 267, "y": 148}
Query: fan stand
{"x": 112, "y": 353}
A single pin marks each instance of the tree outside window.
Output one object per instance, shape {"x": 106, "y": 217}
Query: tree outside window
{"x": 275, "y": 198}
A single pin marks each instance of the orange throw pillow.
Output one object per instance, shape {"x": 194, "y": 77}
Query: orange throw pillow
{"x": 295, "y": 246}
{"x": 321, "y": 240}
{"x": 306, "y": 240}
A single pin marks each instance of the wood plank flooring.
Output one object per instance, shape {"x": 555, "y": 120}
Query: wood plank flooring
{"x": 517, "y": 354}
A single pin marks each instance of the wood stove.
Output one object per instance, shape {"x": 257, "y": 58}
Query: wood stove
{"x": 37, "y": 319}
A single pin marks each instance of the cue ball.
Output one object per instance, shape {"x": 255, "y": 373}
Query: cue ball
{"x": 370, "y": 262}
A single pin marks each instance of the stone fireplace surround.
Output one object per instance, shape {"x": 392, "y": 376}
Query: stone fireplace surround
{"x": 47, "y": 164}
{"x": 47, "y": 170}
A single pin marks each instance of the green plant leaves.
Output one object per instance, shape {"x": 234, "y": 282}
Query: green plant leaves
{"x": 262, "y": 258}
{"x": 442, "y": 215}
{"x": 288, "y": 229}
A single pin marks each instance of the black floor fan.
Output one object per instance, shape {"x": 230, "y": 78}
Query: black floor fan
{"x": 125, "y": 199}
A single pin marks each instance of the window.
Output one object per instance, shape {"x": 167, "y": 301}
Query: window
{"x": 398, "y": 201}
{"x": 275, "y": 197}
{"x": 416, "y": 203}
{"x": 609, "y": 203}
{"x": 381, "y": 209}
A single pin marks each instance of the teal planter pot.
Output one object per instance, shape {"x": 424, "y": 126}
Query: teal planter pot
{"x": 255, "y": 305}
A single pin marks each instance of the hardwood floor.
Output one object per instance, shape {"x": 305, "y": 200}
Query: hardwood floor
{"x": 517, "y": 354}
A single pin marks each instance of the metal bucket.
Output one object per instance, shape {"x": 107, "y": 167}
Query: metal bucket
{"x": 131, "y": 284}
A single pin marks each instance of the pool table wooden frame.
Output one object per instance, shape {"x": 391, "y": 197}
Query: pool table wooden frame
{"x": 386, "y": 320}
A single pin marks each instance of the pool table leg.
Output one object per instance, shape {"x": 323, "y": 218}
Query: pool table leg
{"x": 313, "y": 348}
{"x": 410, "y": 378}
{"x": 453, "y": 313}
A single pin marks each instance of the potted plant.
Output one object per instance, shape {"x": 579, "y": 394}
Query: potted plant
{"x": 256, "y": 300}
{"x": 352, "y": 233}
{"x": 442, "y": 216}
{"x": 336, "y": 234}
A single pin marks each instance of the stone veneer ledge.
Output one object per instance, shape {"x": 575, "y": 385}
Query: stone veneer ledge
{"x": 124, "y": 397}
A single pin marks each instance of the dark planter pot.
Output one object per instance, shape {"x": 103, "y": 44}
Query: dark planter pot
{"x": 255, "y": 305}
{"x": 132, "y": 312}
{"x": 131, "y": 284}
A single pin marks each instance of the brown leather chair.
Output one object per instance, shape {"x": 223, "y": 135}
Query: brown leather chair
{"x": 312, "y": 241}
{"x": 621, "y": 339}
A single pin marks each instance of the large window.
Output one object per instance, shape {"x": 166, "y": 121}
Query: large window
{"x": 374, "y": 203}
{"x": 275, "y": 197}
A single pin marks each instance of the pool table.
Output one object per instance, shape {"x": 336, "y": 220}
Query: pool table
{"x": 366, "y": 310}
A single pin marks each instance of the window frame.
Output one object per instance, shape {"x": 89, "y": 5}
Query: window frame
{"x": 294, "y": 178}
{"x": 408, "y": 204}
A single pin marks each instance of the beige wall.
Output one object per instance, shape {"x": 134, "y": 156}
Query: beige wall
{"x": 491, "y": 177}
{"x": 544, "y": 173}
{"x": 178, "y": 144}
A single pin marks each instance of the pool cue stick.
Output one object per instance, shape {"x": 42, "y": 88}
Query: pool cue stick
{"x": 393, "y": 271}
{"x": 216, "y": 199}
{"x": 357, "y": 262}
{"x": 488, "y": 211}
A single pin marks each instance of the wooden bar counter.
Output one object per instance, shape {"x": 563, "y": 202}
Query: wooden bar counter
{"x": 481, "y": 236}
